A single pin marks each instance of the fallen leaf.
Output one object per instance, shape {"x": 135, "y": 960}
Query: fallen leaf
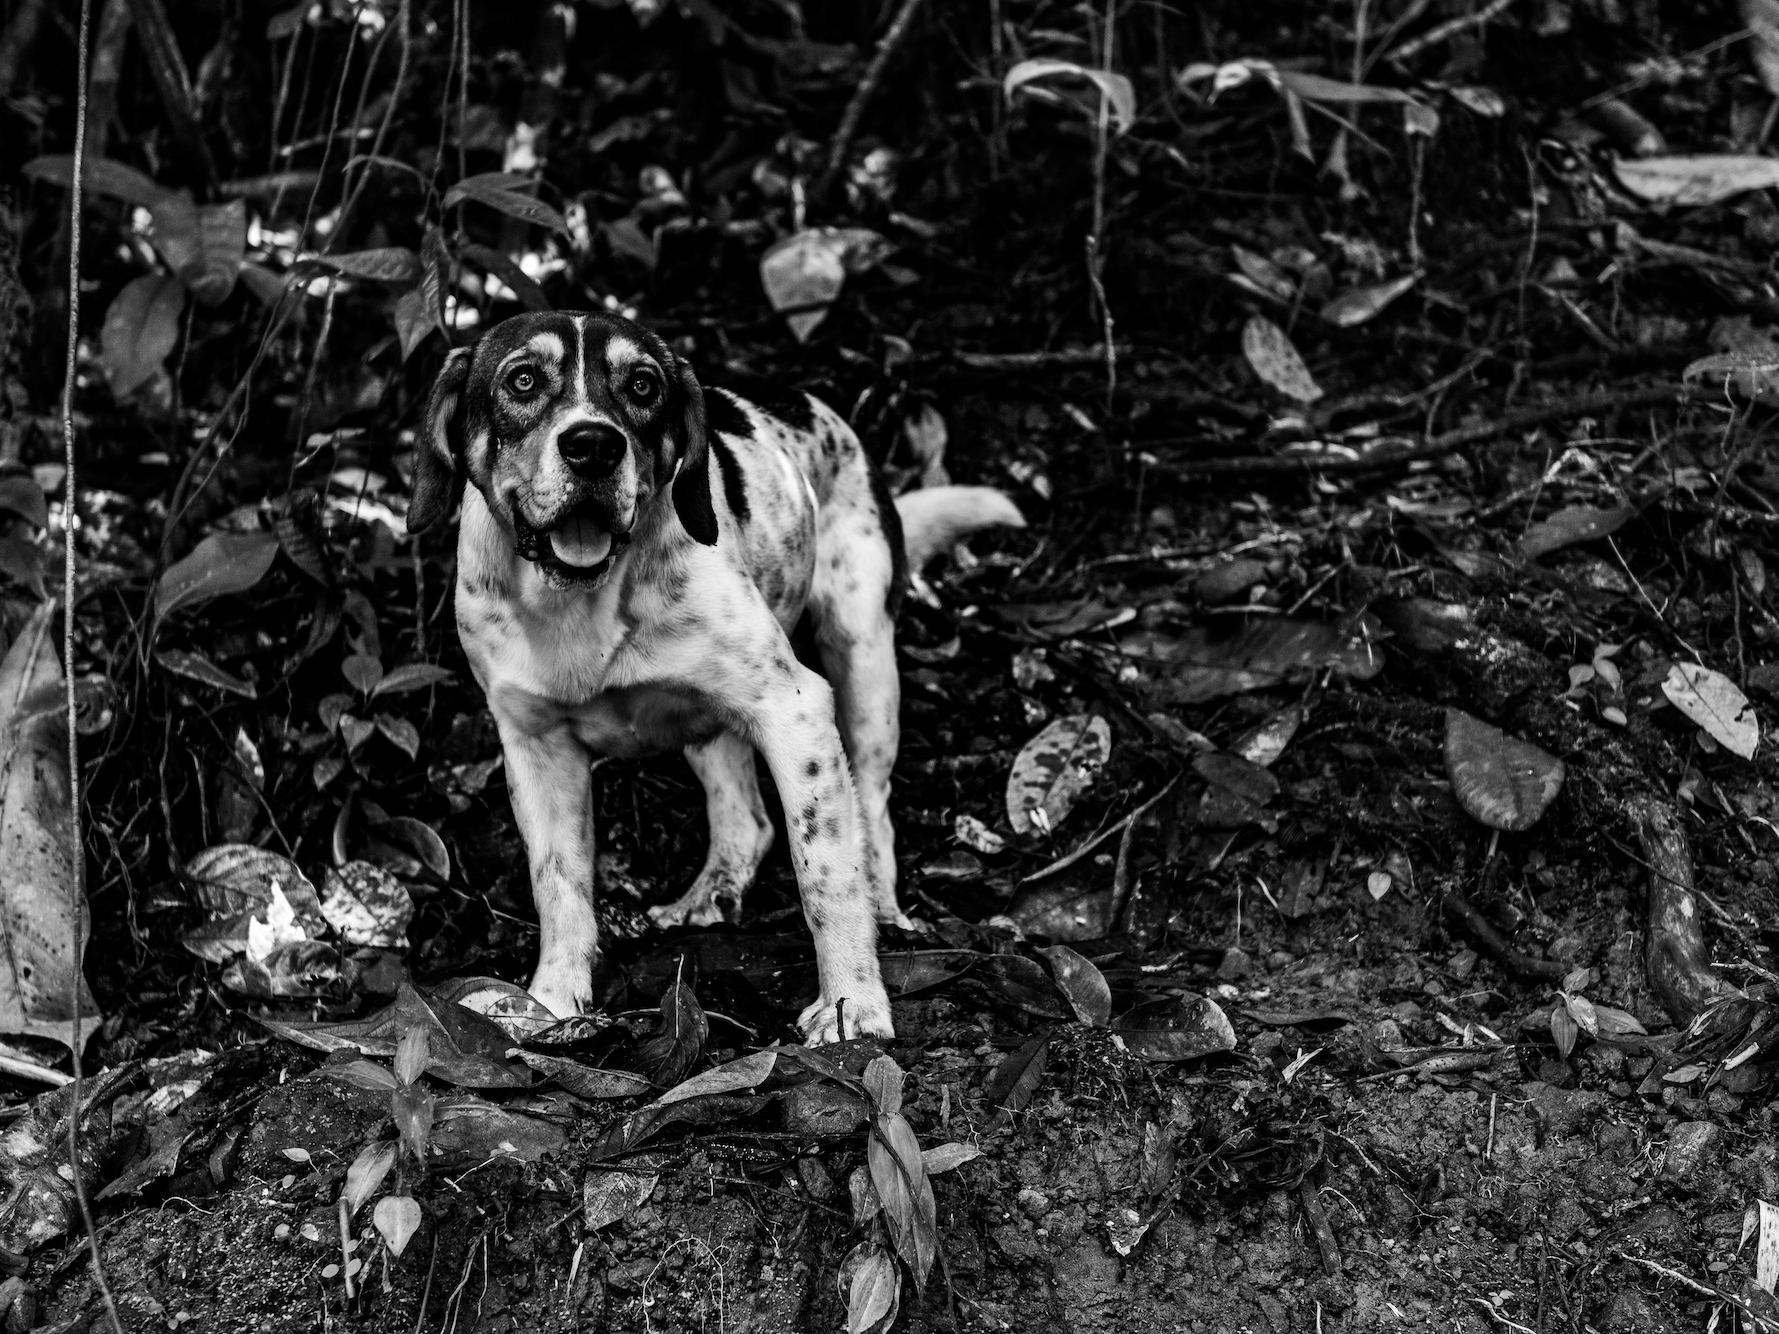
{"x": 611, "y": 1197}
{"x": 1714, "y": 702}
{"x": 1276, "y": 361}
{"x": 871, "y": 1284}
{"x": 1263, "y": 653}
{"x": 1359, "y": 305}
{"x": 1082, "y": 985}
{"x": 893, "y": 1154}
{"x": 1577, "y": 523}
{"x": 367, "y": 906}
{"x": 1501, "y": 781}
{"x": 1053, "y": 769}
{"x": 588, "y": 1081}
{"x": 676, "y": 1047}
{"x": 1177, "y": 1028}
{"x": 733, "y": 1077}
{"x": 365, "y": 1176}
{"x": 1707, "y": 178}
{"x": 44, "y": 932}
{"x": 464, "y": 1048}
{"x": 519, "y": 1014}
{"x": 947, "y": 1157}
{"x": 804, "y": 273}
{"x": 1016, "y": 1079}
{"x": 972, "y": 833}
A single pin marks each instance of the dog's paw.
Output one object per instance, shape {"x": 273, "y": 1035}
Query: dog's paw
{"x": 561, "y": 998}
{"x": 854, "y": 1017}
{"x": 698, "y": 906}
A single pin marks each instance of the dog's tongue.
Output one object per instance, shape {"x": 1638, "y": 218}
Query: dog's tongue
{"x": 580, "y": 541}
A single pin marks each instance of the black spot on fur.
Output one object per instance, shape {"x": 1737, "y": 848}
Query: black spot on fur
{"x": 724, "y": 416}
{"x": 891, "y": 520}
{"x": 791, "y": 406}
{"x": 734, "y": 488}
{"x": 813, "y": 768}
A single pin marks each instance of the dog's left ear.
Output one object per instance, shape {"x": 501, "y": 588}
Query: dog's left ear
{"x": 691, "y": 488}
{"x": 438, "y": 476}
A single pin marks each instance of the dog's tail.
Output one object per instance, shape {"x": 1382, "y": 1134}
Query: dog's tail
{"x": 936, "y": 519}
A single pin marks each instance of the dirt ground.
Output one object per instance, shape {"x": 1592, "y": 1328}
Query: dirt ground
{"x": 1368, "y": 444}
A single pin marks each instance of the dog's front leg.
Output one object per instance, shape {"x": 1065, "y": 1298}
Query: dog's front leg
{"x": 550, "y": 777}
{"x": 795, "y": 730}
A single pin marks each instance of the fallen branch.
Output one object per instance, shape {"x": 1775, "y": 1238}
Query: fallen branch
{"x": 855, "y": 109}
{"x": 1483, "y": 931}
{"x": 1068, "y": 859}
{"x": 1064, "y": 359}
{"x": 1677, "y": 962}
{"x": 1438, "y": 447}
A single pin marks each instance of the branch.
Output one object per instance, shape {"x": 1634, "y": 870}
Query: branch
{"x": 855, "y": 109}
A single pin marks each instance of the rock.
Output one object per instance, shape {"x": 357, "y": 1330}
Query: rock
{"x": 1565, "y": 1111}
{"x": 1462, "y": 964}
{"x": 1628, "y": 1310}
{"x": 1692, "y": 1147}
{"x": 1016, "y": 1245}
{"x": 1558, "y": 1074}
{"x": 1230, "y": 581}
{"x": 1235, "y": 966}
{"x": 1656, "y": 1231}
{"x": 1034, "y": 1204}
{"x": 1387, "y": 1035}
{"x": 822, "y": 1109}
{"x": 1407, "y": 1011}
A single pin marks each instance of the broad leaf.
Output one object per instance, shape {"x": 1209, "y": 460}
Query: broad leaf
{"x": 1359, "y": 305}
{"x": 397, "y": 1217}
{"x": 1501, "y": 781}
{"x": 222, "y": 563}
{"x": 1120, "y": 95}
{"x": 203, "y": 243}
{"x": 1714, "y": 702}
{"x": 45, "y": 931}
{"x": 410, "y": 676}
{"x": 804, "y": 273}
{"x": 1178, "y": 1028}
{"x": 1082, "y": 984}
{"x": 610, "y": 1197}
{"x": 390, "y": 264}
{"x": 1704, "y": 179}
{"x": 196, "y": 667}
{"x": 141, "y": 328}
{"x": 496, "y": 192}
{"x": 1016, "y": 1079}
{"x": 893, "y": 1155}
{"x": 1273, "y": 358}
{"x": 1053, "y": 769}
{"x": 367, "y": 906}
{"x": 734, "y": 1077}
{"x": 100, "y": 175}
{"x": 1577, "y": 523}
{"x": 871, "y": 1284}
{"x": 365, "y": 1177}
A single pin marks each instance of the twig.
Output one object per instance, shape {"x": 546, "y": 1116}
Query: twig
{"x": 1438, "y": 447}
{"x": 1434, "y": 36}
{"x": 70, "y": 494}
{"x": 1485, "y": 934}
{"x": 1318, "y": 1221}
{"x": 1062, "y": 359}
{"x": 1067, "y": 860}
{"x": 861, "y": 98}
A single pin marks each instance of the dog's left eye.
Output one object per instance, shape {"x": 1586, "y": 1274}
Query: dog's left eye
{"x": 523, "y": 380}
{"x": 643, "y": 388}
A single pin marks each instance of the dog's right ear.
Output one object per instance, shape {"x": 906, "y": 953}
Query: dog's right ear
{"x": 438, "y": 470}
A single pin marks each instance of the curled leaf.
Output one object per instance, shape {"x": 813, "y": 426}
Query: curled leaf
{"x": 1501, "y": 781}
{"x": 1119, "y": 93}
{"x": 1714, "y": 702}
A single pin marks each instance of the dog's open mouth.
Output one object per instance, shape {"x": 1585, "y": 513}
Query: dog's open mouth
{"x": 579, "y": 549}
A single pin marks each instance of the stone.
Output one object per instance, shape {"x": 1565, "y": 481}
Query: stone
{"x": 1235, "y": 966}
{"x": 1692, "y": 1147}
{"x": 1629, "y": 1310}
{"x": 1034, "y": 1204}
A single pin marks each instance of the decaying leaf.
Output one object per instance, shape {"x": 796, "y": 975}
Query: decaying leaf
{"x": 609, "y": 1197}
{"x": 1714, "y": 702}
{"x": 734, "y": 1077}
{"x": 1205, "y": 664}
{"x": 1275, "y": 360}
{"x": 1176, "y": 1028}
{"x": 1707, "y": 178}
{"x": 367, "y": 906}
{"x": 1501, "y": 781}
{"x": 804, "y": 273}
{"x": 45, "y": 932}
{"x": 871, "y": 1284}
{"x": 1016, "y": 1079}
{"x": 1053, "y": 769}
{"x": 1360, "y": 305}
{"x": 1577, "y": 523}
{"x": 365, "y": 1176}
{"x": 1082, "y": 984}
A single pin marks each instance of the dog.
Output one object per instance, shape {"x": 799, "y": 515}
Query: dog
{"x": 633, "y": 555}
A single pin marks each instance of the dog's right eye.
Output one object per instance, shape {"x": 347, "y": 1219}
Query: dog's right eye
{"x": 523, "y": 380}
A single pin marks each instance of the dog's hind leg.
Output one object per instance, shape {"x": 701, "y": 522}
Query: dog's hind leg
{"x": 740, "y": 835}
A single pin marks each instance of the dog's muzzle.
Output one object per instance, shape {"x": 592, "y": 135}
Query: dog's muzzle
{"x": 578, "y": 549}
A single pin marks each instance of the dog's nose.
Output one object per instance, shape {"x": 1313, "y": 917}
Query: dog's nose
{"x": 592, "y": 449}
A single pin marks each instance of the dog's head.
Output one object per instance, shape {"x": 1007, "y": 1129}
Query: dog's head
{"x": 570, "y": 424}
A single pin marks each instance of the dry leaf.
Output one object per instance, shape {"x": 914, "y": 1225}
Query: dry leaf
{"x": 1707, "y": 178}
{"x": 1270, "y": 352}
{"x": 1503, "y": 782}
{"x": 1052, "y": 771}
{"x": 1713, "y": 701}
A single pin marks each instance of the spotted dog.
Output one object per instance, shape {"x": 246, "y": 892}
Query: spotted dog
{"x": 632, "y": 557}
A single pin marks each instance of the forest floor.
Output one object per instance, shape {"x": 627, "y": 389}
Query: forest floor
{"x": 1324, "y": 1050}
